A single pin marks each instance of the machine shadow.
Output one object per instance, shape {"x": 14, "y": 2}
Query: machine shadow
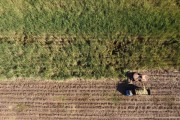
{"x": 123, "y": 86}
{"x": 129, "y": 75}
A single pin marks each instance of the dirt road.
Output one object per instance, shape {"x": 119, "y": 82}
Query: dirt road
{"x": 90, "y": 100}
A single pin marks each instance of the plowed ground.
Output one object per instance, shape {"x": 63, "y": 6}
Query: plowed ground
{"x": 90, "y": 100}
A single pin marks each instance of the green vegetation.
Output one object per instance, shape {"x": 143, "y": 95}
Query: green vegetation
{"x": 78, "y": 57}
{"x": 94, "y": 18}
{"x": 57, "y": 39}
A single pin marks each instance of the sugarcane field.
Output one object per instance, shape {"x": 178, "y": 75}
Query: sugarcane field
{"x": 89, "y": 59}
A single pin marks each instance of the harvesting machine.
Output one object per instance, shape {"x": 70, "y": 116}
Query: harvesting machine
{"x": 140, "y": 90}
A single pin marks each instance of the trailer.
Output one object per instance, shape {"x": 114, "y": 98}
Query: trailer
{"x": 138, "y": 91}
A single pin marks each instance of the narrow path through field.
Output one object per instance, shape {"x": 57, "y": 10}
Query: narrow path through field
{"x": 89, "y": 100}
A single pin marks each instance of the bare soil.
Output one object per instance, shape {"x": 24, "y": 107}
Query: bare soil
{"x": 90, "y": 99}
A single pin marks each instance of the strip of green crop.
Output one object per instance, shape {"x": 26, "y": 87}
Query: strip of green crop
{"x": 56, "y": 39}
{"x": 56, "y": 58}
{"x": 92, "y": 18}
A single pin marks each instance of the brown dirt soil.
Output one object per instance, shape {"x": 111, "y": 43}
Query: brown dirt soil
{"x": 90, "y": 99}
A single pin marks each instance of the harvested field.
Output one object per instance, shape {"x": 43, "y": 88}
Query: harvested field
{"x": 89, "y": 100}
